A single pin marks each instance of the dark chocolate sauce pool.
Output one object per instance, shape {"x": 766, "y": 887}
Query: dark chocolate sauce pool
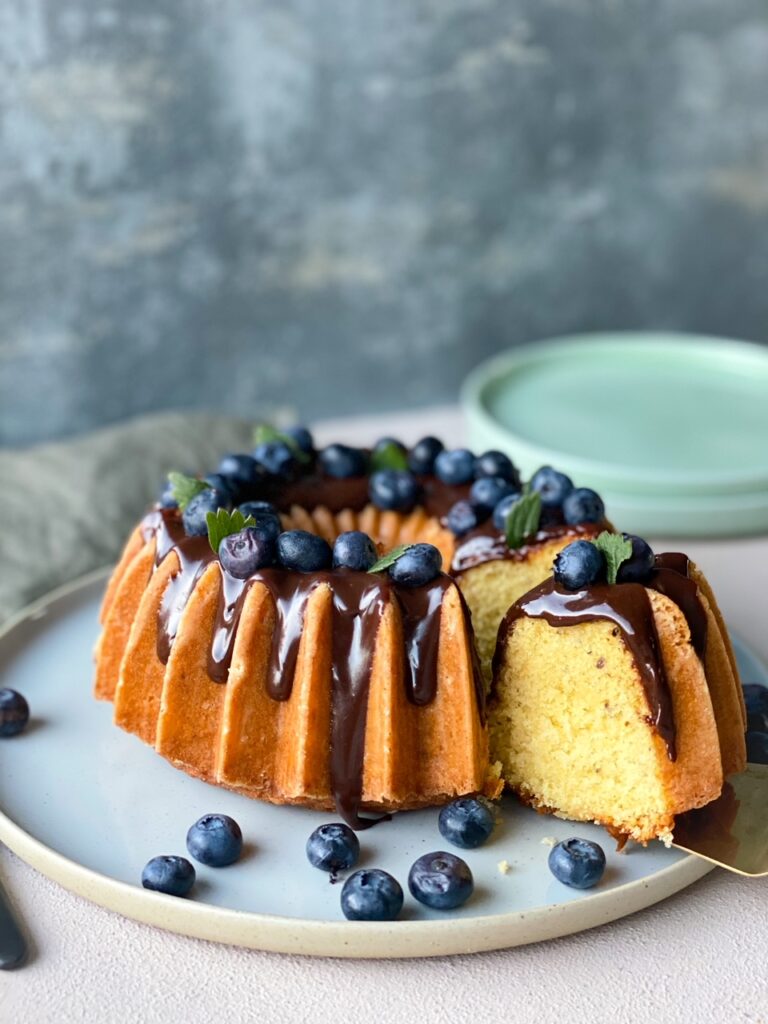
{"x": 358, "y": 599}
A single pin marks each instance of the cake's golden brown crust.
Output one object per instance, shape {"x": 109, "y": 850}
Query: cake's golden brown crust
{"x": 236, "y": 735}
{"x": 568, "y": 721}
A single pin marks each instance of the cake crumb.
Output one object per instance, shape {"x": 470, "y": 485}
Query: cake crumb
{"x": 504, "y": 867}
{"x": 549, "y": 841}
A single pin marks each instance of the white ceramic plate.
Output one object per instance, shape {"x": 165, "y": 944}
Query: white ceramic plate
{"x": 88, "y": 805}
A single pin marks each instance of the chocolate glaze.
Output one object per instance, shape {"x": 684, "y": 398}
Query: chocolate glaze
{"x": 671, "y": 578}
{"x": 486, "y": 544}
{"x": 358, "y": 603}
{"x": 625, "y": 605}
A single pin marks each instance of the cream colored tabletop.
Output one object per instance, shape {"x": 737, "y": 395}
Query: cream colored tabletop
{"x": 698, "y": 957}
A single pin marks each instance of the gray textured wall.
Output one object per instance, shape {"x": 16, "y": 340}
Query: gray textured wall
{"x": 344, "y": 204}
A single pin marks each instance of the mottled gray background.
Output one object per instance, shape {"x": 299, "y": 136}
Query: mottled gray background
{"x": 344, "y": 204}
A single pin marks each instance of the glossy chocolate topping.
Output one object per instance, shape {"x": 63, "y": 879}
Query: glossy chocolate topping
{"x": 671, "y": 578}
{"x": 358, "y": 603}
{"x": 486, "y": 544}
{"x": 627, "y": 606}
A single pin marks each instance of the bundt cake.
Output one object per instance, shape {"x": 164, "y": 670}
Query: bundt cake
{"x": 619, "y": 702}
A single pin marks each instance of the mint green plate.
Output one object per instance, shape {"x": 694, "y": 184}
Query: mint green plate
{"x": 672, "y": 429}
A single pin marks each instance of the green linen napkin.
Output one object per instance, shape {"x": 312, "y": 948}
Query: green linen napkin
{"x": 67, "y": 507}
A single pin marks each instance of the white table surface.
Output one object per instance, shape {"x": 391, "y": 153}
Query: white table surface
{"x": 698, "y": 957}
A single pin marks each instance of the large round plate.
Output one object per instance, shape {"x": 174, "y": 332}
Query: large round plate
{"x": 88, "y": 805}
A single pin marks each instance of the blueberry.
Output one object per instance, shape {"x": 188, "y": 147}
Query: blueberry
{"x": 417, "y": 566}
{"x": 254, "y": 508}
{"x": 640, "y": 564}
{"x": 354, "y": 550}
{"x": 497, "y": 464}
{"x": 241, "y": 554}
{"x": 266, "y": 520}
{"x": 194, "y": 515}
{"x": 502, "y": 510}
{"x": 577, "y": 862}
{"x": 466, "y": 822}
{"x": 551, "y": 485}
{"x": 456, "y": 466}
{"x": 243, "y": 469}
{"x": 215, "y": 840}
{"x": 14, "y": 713}
{"x": 756, "y": 697}
{"x": 578, "y": 565}
{"x": 394, "y": 489}
{"x": 303, "y": 551}
{"x": 166, "y": 499}
{"x": 440, "y": 880}
{"x": 333, "y": 847}
{"x": 226, "y": 485}
{"x": 302, "y": 437}
{"x": 371, "y": 895}
{"x": 277, "y": 458}
{"x": 757, "y": 747}
{"x": 421, "y": 458}
{"x": 172, "y": 875}
{"x": 583, "y": 505}
{"x": 488, "y": 491}
{"x": 462, "y": 517}
{"x": 339, "y": 461}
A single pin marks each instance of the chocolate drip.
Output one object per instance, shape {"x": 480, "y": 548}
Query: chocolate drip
{"x": 487, "y": 544}
{"x": 672, "y": 579}
{"x": 359, "y": 600}
{"x": 628, "y": 607}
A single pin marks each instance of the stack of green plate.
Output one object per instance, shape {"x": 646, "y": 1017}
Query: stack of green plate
{"x": 671, "y": 429}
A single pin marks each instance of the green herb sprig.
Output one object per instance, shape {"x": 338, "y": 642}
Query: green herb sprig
{"x": 222, "y": 523}
{"x": 184, "y": 488}
{"x": 523, "y": 519}
{"x": 616, "y": 550}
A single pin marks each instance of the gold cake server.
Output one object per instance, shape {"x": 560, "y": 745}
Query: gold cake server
{"x": 732, "y": 831}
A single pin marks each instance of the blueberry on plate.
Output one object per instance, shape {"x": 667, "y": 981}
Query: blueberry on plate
{"x": 456, "y": 466}
{"x": 337, "y": 460}
{"x": 440, "y": 880}
{"x": 14, "y": 712}
{"x": 243, "y": 469}
{"x": 502, "y": 510}
{"x": 172, "y": 875}
{"x": 302, "y": 437}
{"x": 578, "y": 565}
{"x": 394, "y": 489}
{"x": 418, "y": 565}
{"x": 497, "y": 464}
{"x": 371, "y": 895}
{"x": 333, "y": 847}
{"x": 303, "y": 551}
{"x": 194, "y": 515}
{"x": 354, "y": 550}
{"x": 488, "y": 491}
{"x": 639, "y": 566}
{"x": 583, "y": 505}
{"x": 421, "y": 458}
{"x": 215, "y": 840}
{"x": 276, "y": 457}
{"x": 757, "y": 747}
{"x": 241, "y": 554}
{"x": 579, "y": 863}
{"x": 466, "y": 822}
{"x": 551, "y": 485}
{"x": 462, "y": 517}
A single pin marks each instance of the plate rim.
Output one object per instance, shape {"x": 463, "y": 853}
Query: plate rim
{"x": 312, "y": 937}
{"x": 499, "y": 368}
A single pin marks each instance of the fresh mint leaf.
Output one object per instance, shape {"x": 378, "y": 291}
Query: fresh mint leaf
{"x": 265, "y": 432}
{"x": 616, "y": 550}
{"x": 390, "y": 558}
{"x": 388, "y": 456}
{"x": 222, "y": 523}
{"x": 523, "y": 519}
{"x": 184, "y": 488}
